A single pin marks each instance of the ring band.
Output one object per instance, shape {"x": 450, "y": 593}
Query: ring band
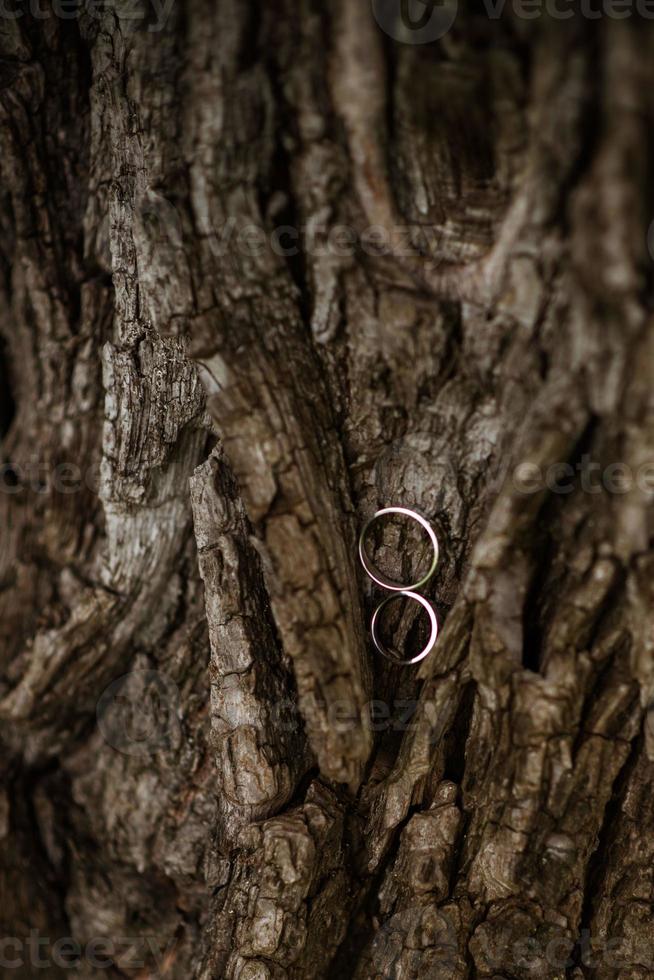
{"x": 376, "y": 575}
{"x": 434, "y": 627}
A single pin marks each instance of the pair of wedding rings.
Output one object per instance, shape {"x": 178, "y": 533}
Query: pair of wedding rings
{"x": 397, "y": 590}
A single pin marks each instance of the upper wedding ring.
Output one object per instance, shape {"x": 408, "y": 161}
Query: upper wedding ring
{"x": 378, "y": 576}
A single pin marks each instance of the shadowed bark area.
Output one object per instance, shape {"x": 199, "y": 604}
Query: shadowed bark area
{"x": 263, "y": 271}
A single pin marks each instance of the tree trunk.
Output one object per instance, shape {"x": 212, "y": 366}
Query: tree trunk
{"x": 265, "y": 270}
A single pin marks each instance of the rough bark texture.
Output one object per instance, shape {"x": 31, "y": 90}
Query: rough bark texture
{"x": 238, "y": 413}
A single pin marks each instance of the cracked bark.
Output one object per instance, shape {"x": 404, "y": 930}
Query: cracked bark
{"x": 236, "y": 413}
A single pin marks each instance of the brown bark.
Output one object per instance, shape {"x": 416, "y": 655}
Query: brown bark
{"x": 236, "y": 410}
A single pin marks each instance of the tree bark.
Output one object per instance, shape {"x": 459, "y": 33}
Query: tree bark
{"x": 266, "y": 270}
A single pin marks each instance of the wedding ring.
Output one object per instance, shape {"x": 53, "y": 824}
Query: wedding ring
{"x": 376, "y": 575}
{"x": 434, "y": 627}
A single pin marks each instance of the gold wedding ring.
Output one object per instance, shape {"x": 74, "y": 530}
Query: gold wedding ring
{"x": 374, "y": 573}
{"x": 432, "y": 617}
{"x": 397, "y": 590}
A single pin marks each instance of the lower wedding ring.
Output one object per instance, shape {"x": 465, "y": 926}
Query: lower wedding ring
{"x": 434, "y": 627}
